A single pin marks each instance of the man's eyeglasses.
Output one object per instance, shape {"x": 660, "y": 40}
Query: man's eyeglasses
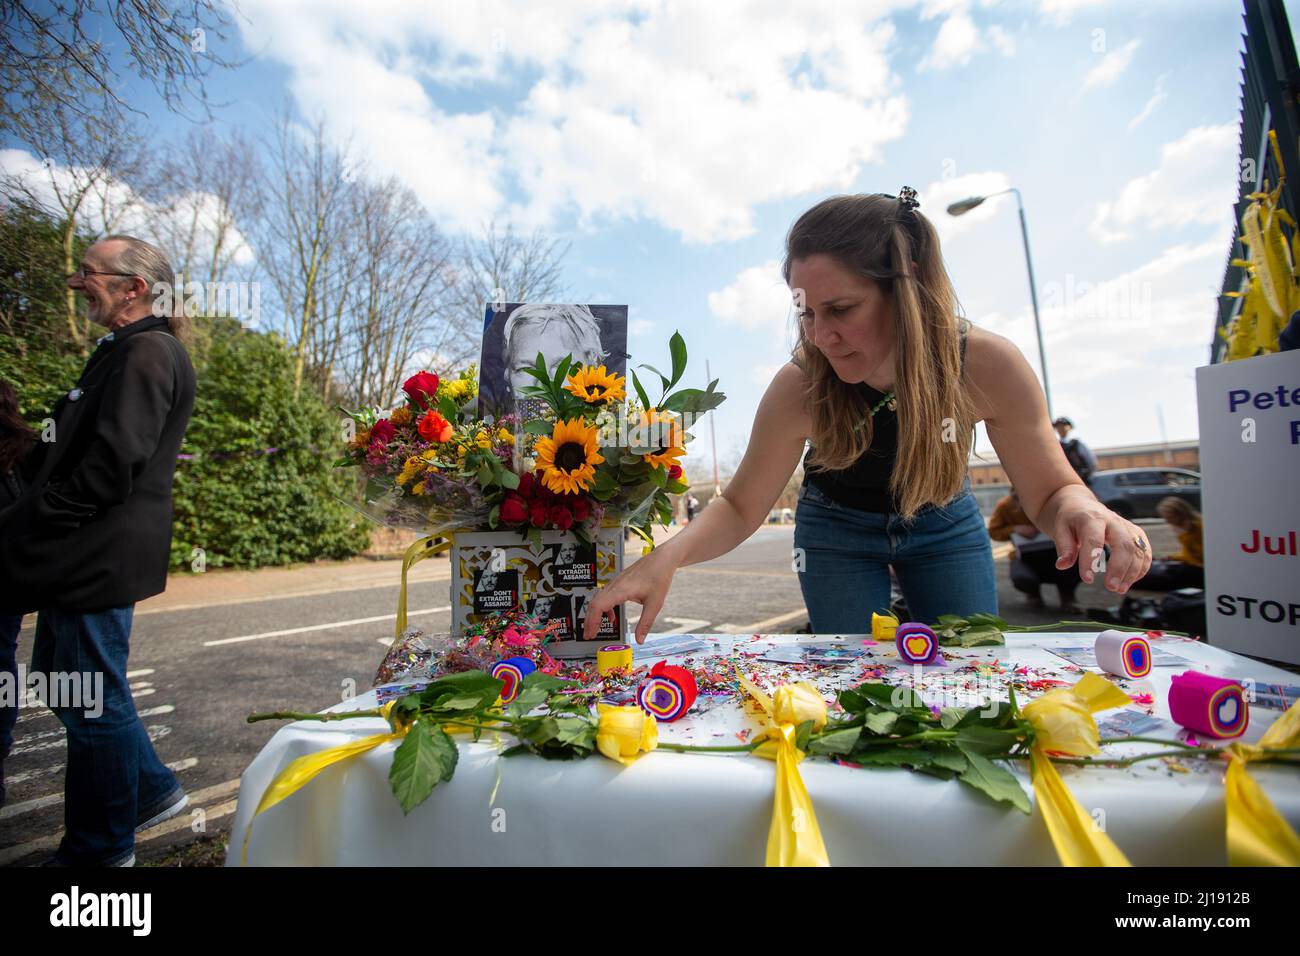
{"x": 82, "y": 273}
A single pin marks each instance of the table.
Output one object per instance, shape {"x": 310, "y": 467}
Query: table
{"x": 714, "y": 810}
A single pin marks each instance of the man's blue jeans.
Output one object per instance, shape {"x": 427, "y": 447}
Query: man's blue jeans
{"x": 112, "y": 768}
{"x": 10, "y": 625}
{"x": 943, "y": 560}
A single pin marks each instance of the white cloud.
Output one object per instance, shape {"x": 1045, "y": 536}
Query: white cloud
{"x": 1062, "y": 11}
{"x": 646, "y": 110}
{"x": 1158, "y": 96}
{"x": 112, "y": 205}
{"x": 1194, "y": 183}
{"x": 936, "y": 197}
{"x": 1112, "y": 65}
{"x": 959, "y": 38}
{"x": 756, "y": 300}
{"x": 1117, "y": 346}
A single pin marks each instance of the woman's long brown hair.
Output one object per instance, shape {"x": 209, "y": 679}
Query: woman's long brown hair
{"x": 16, "y": 436}
{"x": 878, "y": 238}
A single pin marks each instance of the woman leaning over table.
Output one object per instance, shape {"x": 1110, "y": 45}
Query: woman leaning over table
{"x": 887, "y": 382}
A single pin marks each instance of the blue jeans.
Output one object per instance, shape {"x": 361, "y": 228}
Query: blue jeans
{"x": 943, "y": 560}
{"x": 113, "y": 771}
{"x": 10, "y": 625}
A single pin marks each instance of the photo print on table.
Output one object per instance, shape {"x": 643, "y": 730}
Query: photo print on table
{"x": 514, "y": 333}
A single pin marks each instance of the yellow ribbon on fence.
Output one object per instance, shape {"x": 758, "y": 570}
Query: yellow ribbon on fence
{"x": 417, "y": 552}
{"x": 304, "y": 769}
{"x": 794, "y": 838}
{"x": 1257, "y": 834}
{"x": 1063, "y": 723}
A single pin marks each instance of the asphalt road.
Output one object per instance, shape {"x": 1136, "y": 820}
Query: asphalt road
{"x": 198, "y": 672}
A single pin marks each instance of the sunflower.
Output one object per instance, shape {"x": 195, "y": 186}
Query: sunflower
{"x": 665, "y": 434}
{"x": 567, "y": 460}
{"x": 595, "y": 385}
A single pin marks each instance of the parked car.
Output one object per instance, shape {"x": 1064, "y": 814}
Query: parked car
{"x": 1135, "y": 492}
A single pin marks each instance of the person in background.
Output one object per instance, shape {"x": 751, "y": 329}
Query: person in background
{"x": 1186, "y": 569}
{"x": 17, "y": 439}
{"x": 692, "y": 506}
{"x": 91, "y": 536}
{"x": 1079, "y": 455}
{"x": 1033, "y": 563}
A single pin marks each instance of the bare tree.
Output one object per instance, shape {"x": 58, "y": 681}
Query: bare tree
{"x": 304, "y": 204}
{"x": 398, "y": 283}
{"x": 82, "y": 185}
{"x": 498, "y": 266}
{"x": 60, "y": 54}
{"x": 203, "y": 192}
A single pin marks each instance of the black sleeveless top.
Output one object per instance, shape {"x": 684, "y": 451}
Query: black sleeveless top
{"x": 865, "y": 484}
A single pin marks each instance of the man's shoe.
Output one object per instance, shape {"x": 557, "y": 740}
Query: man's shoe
{"x": 164, "y": 809}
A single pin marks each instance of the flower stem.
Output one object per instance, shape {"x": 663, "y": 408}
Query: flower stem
{"x": 294, "y": 715}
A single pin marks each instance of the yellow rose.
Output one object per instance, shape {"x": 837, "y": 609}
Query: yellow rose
{"x": 795, "y": 703}
{"x": 625, "y": 732}
{"x": 1062, "y": 718}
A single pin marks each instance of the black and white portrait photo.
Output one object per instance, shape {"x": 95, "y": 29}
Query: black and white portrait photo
{"x": 514, "y": 334}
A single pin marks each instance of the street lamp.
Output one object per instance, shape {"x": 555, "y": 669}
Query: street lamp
{"x": 966, "y": 205}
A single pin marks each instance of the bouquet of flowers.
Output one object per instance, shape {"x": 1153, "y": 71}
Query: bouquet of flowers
{"x": 589, "y": 456}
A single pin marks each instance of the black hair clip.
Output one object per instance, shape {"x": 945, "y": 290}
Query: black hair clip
{"x": 907, "y": 198}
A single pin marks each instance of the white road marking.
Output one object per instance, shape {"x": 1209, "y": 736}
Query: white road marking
{"x": 322, "y": 627}
{"x": 155, "y": 731}
{"x": 176, "y": 766}
{"x": 761, "y": 627}
{"x": 140, "y": 673}
{"x": 182, "y": 821}
{"x": 138, "y": 685}
{"x": 369, "y": 585}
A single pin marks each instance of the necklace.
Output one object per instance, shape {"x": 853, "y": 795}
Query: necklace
{"x": 890, "y": 400}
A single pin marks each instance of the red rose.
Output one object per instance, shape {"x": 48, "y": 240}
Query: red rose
{"x": 537, "y": 516}
{"x": 421, "y": 388}
{"x": 581, "y": 509}
{"x": 383, "y": 432}
{"x": 561, "y": 517}
{"x": 525, "y": 489}
{"x": 514, "y": 510}
{"x": 675, "y": 472}
{"x": 433, "y": 427}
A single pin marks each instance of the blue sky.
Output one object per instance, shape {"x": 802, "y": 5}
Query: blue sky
{"x": 674, "y": 143}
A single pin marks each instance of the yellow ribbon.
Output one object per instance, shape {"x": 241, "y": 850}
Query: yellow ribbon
{"x": 417, "y": 552}
{"x": 304, "y": 769}
{"x": 1257, "y": 834}
{"x": 1063, "y": 723}
{"x": 794, "y": 839}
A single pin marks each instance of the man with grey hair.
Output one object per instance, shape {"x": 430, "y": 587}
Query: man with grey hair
{"x": 91, "y": 535}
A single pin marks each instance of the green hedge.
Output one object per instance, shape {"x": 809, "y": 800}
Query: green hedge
{"x": 243, "y": 505}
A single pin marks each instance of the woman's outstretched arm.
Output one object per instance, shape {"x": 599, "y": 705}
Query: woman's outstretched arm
{"x": 775, "y": 447}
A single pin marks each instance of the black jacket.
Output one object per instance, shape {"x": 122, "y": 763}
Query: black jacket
{"x": 93, "y": 527}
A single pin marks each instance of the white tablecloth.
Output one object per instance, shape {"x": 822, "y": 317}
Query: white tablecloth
{"x": 708, "y": 810}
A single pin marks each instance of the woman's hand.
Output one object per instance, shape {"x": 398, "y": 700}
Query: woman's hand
{"x": 646, "y": 582}
{"x": 1083, "y": 527}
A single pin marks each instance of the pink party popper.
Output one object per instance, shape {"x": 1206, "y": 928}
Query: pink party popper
{"x": 1213, "y": 706}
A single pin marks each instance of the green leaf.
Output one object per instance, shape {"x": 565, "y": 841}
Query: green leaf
{"x": 677, "y": 346}
{"x": 892, "y": 756}
{"x": 640, "y": 391}
{"x": 950, "y": 717}
{"x": 802, "y": 733}
{"x": 882, "y": 722}
{"x": 995, "y": 781}
{"x": 901, "y": 699}
{"x": 659, "y": 476}
{"x": 693, "y": 400}
{"x": 464, "y": 691}
{"x": 538, "y": 426}
{"x": 835, "y": 742}
{"x": 447, "y": 408}
{"x": 425, "y": 758}
{"x": 988, "y": 619}
{"x": 508, "y": 480}
{"x": 950, "y": 758}
{"x": 985, "y": 740}
{"x": 852, "y": 701}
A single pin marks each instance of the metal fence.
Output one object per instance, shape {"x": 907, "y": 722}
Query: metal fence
{"x": 1270, "y": 99}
